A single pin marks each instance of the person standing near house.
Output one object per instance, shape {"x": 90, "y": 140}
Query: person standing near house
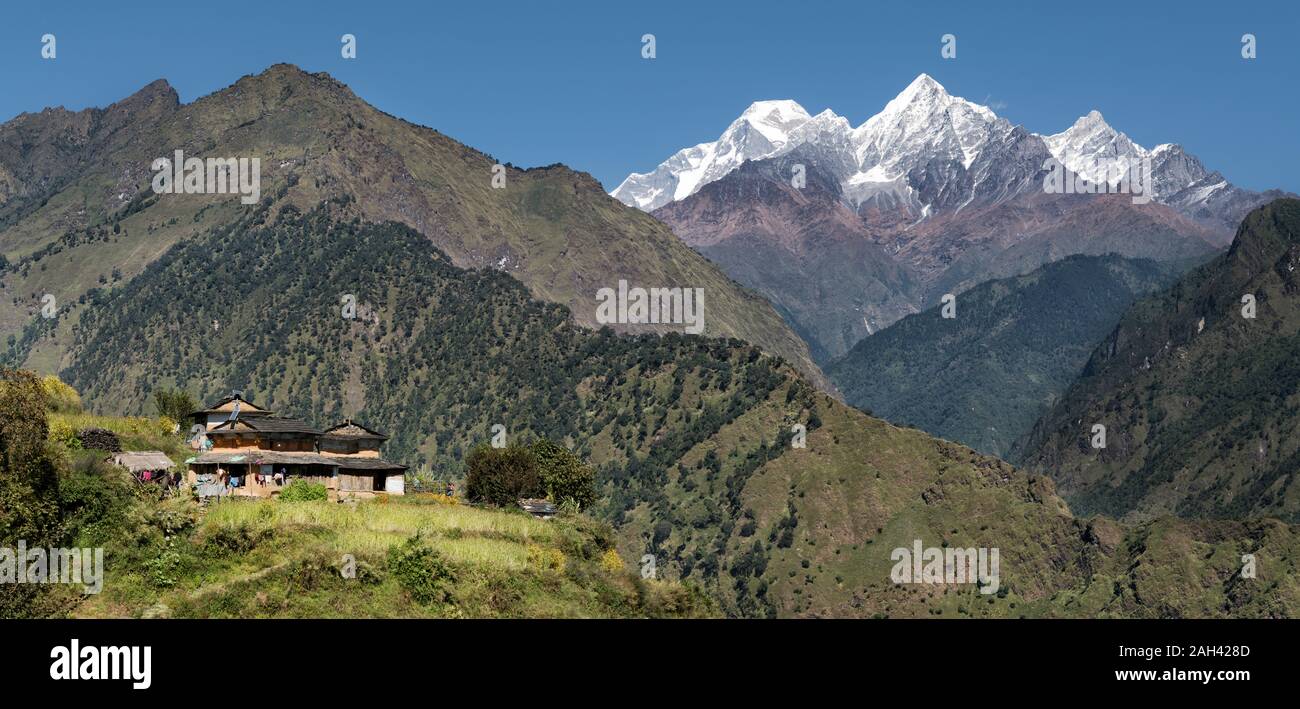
{"x": 279, "y": 477}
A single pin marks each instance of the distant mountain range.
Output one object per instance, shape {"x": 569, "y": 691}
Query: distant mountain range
{"x": 1200, "y": 402}
{"x": 927, "y": 151}
{"x": 951, "y": 193}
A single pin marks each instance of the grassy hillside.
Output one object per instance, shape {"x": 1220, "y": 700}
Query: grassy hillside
{"x": 250, "y": 559}
{"x": 984, "y": 377}
{"x": 1200, "y": 404}
{"x": 420, "y": 555}
{"x": 810, "y": 533}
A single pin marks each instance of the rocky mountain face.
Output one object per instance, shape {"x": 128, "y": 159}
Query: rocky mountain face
{"x": 954, "y": 194}
{"x": 78, "y": 212}
{"x": 800, "y": 247}
{"x": 1197, "y": 391}
{"x": 40, "y": 152}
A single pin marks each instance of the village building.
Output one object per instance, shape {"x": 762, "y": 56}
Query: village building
{"x": 145, "y": 465}
{"x": 257, "y": 453}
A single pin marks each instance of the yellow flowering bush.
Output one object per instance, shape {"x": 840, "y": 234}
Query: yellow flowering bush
{"x": 545, "y": 559}
{"x": 610, "y": 561}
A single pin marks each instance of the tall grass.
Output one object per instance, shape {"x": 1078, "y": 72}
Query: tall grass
{"x": 464, "y": 534}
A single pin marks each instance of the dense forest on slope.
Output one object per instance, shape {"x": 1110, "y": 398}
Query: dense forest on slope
{"x": 435, "y": 355}
{"x": 984, "y": 377}
{"x": 1201, "y": 402}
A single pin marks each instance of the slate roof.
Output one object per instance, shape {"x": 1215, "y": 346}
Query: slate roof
{"x": 539, "y": 507}
{"x": 350, "y": 429}
{"x": 262, "y": 457}
{"x": 367, "y": 464}
{"x": 267, "y": 424}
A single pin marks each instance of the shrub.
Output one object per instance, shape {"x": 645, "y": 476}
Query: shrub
{"x": 421, "y": 571}
{"x": 303, "y": 491}
{"x": 501, "y": 476}
{"x": 96, "y": 500}
{"x": 60, "y": 397}
{"x": 564, "y": 477}
{"x": 167, "y": 426}
{"x": 174, "y": 404}
{"x": 312, "y": 571}
{"x": 236, "y": 539}
{"x": 610, "y": 561}
{"x": 63, "y": 433}
{"x": 29, "y": 482}
{"x": 163, "y": 571}
{"x": 545, "y": 559}
{"x": 585, "y": 538}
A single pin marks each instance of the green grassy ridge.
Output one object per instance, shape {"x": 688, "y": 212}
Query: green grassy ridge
{"x": 984, "y": 377}
{"x": 265, "y": 558}
{"x": 1200, "y": 404}
{"x": 864, "y": 487}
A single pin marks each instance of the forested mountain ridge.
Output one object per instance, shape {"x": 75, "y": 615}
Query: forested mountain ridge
{"x": 984, "y": 376}
{"x": 1197, "y": 390}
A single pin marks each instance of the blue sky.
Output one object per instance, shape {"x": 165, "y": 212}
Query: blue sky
{"x": 540, "y": 82}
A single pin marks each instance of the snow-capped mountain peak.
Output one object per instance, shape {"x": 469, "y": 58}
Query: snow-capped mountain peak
{"x": 923, "y": 121}
{"x": 1091, "y": 146}
{"x": 762, "y": 131}
{"x": 773, "y": 119}
{"x": 923, "y": 89}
